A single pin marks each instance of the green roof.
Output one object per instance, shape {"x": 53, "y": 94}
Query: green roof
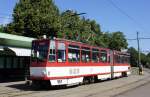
{"x": 15, "y": 40}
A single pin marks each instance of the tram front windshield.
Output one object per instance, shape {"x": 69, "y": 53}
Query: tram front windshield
{"x": 39, "y": 50}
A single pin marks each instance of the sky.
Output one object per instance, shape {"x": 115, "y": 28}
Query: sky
{"x": 127, "y": 16}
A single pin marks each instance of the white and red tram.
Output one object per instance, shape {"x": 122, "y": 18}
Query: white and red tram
{"x": 65, "y": 62}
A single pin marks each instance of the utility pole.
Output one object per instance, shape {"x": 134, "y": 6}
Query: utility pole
{"x": 139, "y": 58}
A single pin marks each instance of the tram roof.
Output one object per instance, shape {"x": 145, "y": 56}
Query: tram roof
{"x": 15, "y": 40}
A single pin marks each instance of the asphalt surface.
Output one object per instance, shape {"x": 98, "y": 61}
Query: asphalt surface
{"x": 142, "y": 91}
{"x": 121, "y": 87}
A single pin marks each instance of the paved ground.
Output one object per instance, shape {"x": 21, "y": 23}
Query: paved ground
{"x": 113, "y": 88}
{"x": 141, "y": 91}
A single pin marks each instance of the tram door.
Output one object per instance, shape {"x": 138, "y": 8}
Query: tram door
{"x": 111, "y": 63}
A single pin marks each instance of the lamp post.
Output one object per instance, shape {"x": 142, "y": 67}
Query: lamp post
{"x": 139, "y": 56}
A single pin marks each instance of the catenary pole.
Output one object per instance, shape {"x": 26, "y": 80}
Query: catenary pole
{"x": 139, "y": 58}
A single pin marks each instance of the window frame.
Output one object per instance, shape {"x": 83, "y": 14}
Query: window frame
{"x": 86, "y": 49}
{"x": 95, "y": 50}
{"x": 64, "y": 42}
{"x": 77, "y": 48}
{"x": 106, "y": 60}
{"x": 49, "y": 51}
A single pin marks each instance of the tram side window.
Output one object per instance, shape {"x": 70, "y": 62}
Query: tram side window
{"x": 85, "y": 55}
{"x": 61, "y": 53}
{"x": 103, "y": 56}
{"x": 95, "y": 55}
{"x": 43, "y": 52}
{"x": 73, "y": 53}
{"x": 52, "y": 54}
{"x": 127, "y": 59}
{"x": 123, "y": 59}
{"x": 118, "y": 59}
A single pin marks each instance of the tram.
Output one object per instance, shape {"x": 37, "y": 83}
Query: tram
{"x": 66, "y": 62}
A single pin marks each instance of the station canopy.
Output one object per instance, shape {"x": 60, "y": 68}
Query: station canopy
{"x": 19, "y": 44}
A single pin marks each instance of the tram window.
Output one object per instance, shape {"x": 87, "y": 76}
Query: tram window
{"x": 1, "y": 62}
{"x": 128, "y": 60}
{"x": 61, "y": 54}
{"x": 42, "y": 52}
{"x": 116, "y": 58}
{"x": 73, "y": 53}
{"x": 85, "y": 55}
{"x": 120, "y": 59}
{"x": 52, "y": 54}
{"x": 103, "y": 55}
{"x": 95, "y": 55}
{"x": 39, "y": 51}
{"x": 123, "y": 59}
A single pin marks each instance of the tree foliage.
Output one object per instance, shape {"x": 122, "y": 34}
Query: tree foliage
{"x": 34, "y": 18}
{"x": 148, "y": 60}
{"x": 133, "y": 56}
{"x": 145, "y": 59}
{"x": 80, "y": 29}
{"x": 1, "y": 28}
{"x": 69, "y": 25}
{"x": 118, "y": 41}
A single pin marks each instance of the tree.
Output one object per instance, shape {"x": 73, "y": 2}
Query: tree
{"x": 148, "y": 55}
{"x": 70, "y": 25}
{"x": 34, "y": 18}
{"x": 145, "y": 59}
{"x": 133, "y": 56}
{"x": 80, "y": 29}
{"x": 95, "y": 33}
{"x": 104, "y": 39}
{"x": 1, "y": 28}
{"x": 118, "y": 41}
{"x": 148, "y": 60}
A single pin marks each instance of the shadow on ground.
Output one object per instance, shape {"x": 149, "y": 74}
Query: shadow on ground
{"x": 4, "y": 80}
{"x": 26, "y": 87}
